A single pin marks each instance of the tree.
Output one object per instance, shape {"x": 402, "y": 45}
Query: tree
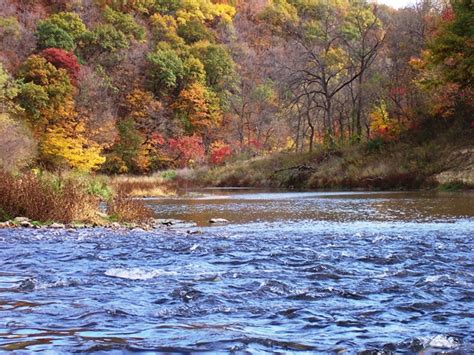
{"x": 165, "y": 70}
{"x": 17, "y": 147}
{"x": 50, "y": 35}
{"x": 217, "y": 62}
{"x": 193, "y": 31}
{"x": 63, "y": 60}
{"x": 9, "y": 89}
{"x": 186, "y": 150}
{"x": 125, "y": 153}
{"x": 198, "y": 108}
{"x": 219, "y": 153}
{"x": 124, "y": 23}
{"x": 320, "y": 37}
{"x": 452, "y": 49}
{"x": 47, "y": 93}
{"x": 104, "y": 39}
{"x": 61, "y": 30}
{"x": 70, "y": 22}
{"x": 65, "y": 143}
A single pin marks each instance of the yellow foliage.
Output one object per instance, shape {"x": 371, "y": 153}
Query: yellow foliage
{"x": 199, "y": 107}
{"x": 204, "y": 10}
{"x": 141, "y": 103}
{"x": 381, "y": 124}
{"x": 63, "y": 144}
{"x": 142, "y": 160}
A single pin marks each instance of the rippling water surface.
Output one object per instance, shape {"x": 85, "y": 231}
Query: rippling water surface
{"x": 310, "y": 272}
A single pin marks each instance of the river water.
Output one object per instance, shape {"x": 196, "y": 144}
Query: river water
{"x": 308, "y": 272}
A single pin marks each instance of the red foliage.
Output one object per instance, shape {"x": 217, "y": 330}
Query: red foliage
{"x": 157, "y": 139}
{"x": 219, "y": 154}
{"x": 448, "y": 15}
{"x": 398, "y": 91}
{"x": 62, "y": 59}
{"x": 186, "y": 150}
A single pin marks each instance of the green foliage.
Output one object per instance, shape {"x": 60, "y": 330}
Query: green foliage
{"x": 165, "y": 70}
{"x": 169, "y": 175}
{"x": 105, "y": 38}
{"x": 279, "y": 12}
{"x": 375, "y": 144}
{"x": 61, "y": 30}
{"x": 33, "y": 99}
{"x": 9, "y": 90}
{"x": 218, "y": 63}
{"x": 49, "y": 35}
{"x": 193, "y": 71}
{"x": 452, "y": 49}
{"x": 69, "y": 22}
{"x": 46, "y": 91}
{"x": 167, "y": 6}
{"x": 124, "y": 23}
{"x": 194, "y": 31}
{"x": 126, "y": 151}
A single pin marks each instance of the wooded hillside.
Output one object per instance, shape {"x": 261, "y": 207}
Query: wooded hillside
{"x": 142, "y": 85}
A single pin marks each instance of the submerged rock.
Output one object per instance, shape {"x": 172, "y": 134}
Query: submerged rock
{"x": 167, "y": 222}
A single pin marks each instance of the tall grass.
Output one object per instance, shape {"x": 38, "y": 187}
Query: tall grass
{"x": 123, "y": 208}
{"x": 144, "y": 186}
{"x": 45, "y": 199}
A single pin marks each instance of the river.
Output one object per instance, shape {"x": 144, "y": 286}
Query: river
{"x": 309, "y": 272}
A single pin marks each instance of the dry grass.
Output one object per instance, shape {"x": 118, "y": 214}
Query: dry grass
{"x": 143, "y": 186}
{"x": 45, "y": 199}
{"x": 398, "y": 165}
{"x": 123, "y": 208}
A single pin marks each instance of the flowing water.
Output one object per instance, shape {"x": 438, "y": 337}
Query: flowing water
{"x": 309, "y": 272}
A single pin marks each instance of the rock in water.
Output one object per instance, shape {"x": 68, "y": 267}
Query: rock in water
{"x": 57, "y": 226}
{"x": 218, "y": 220}
{"x": 20, "y": 220}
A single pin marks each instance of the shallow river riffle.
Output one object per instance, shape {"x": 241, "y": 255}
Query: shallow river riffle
{"x": 310, "y": 273}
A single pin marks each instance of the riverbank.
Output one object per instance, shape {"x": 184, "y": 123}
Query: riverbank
{"x": 39, "y": 198}
{"x": 443, "y": 162}
{"x": 151, "y": 224}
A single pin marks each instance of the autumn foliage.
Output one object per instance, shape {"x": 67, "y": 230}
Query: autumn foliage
{"x": 187, "y": 150}
{"x": 138, "y": 86}
{"x": 62, "y": 59}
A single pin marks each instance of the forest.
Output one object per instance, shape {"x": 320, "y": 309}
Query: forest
{"x": 139, "y": 86}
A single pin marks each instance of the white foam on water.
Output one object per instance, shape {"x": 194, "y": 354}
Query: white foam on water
{"x": 137, "y": 273}
{"x": 444, "y": 341}
{"x": 436, "y": 278}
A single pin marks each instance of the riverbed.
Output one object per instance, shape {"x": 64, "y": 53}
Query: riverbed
{"x": 291, "y": 271}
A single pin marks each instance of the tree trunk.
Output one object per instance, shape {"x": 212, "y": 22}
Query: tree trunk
{"x": 311, "y": 128}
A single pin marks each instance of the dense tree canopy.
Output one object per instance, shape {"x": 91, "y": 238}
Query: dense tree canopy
{"x": 139, "y": 85}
